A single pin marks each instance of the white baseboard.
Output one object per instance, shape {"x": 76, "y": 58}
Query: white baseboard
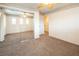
{"x": 73, "y": 42}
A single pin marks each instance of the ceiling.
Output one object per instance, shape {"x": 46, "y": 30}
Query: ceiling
{"x": 34, "y": 6}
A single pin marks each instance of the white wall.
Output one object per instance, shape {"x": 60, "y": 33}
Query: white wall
{"x": 41, "y": 24}
{"x": 36, "y": 24}
{"x": 64, "y": 24}
{"x": 18, "y": 27}
{"x": 2, "y": 27}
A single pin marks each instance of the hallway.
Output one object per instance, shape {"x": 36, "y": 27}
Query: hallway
{"x": 23, "y": 44}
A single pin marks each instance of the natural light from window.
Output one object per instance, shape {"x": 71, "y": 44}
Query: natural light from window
{"x": 21, "y": 21}
{"x": 13, "y": 20}
{"x": 27, "y": 21}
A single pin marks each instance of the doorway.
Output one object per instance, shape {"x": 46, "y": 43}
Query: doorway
{"x": 46, "y": 31}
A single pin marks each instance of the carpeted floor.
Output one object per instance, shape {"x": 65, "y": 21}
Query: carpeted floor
{"x": 24, "y": 44}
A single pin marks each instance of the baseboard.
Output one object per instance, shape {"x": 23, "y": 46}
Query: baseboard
{"x": 64, "y": 40}
{"x": 18, "y": 32}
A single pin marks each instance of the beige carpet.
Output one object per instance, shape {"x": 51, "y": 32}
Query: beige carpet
{"x": 24, "y": 44}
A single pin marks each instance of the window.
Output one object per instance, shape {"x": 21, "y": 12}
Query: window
{"x": 13, "y": 20}
{"x": 21, "y": 21}
{"x": 27, "y": 21}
